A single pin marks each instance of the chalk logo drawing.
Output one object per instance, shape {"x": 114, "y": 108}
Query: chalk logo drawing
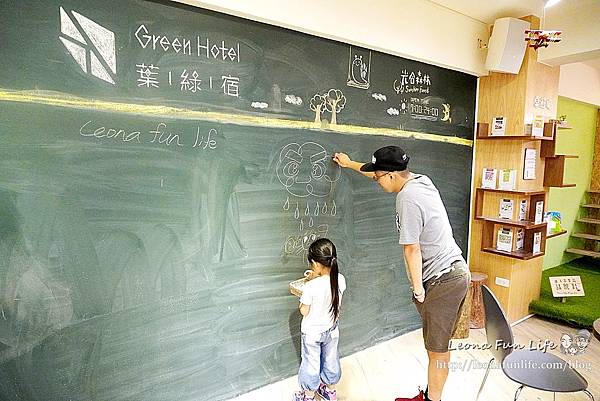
{"x": 309, "y": 176}
{"x": 91, "y": 45}
{"x": 359, "y": 68}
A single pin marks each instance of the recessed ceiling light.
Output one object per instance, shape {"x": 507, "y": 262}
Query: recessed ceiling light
{"x": 550, "y": 3}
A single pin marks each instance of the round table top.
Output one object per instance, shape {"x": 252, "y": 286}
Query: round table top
{"x": 478, "y": 277}
{"x": 597, "y": 328}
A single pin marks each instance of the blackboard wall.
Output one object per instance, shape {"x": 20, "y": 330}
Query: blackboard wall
{"x": 156, "y": 200}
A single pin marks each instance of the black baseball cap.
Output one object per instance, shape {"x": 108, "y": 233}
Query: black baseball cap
{"x": 388, "y": 158}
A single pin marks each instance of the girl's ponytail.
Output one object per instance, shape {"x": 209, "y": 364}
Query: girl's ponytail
{"x": 335, "y": 290}
{"x": 324, "y": 252}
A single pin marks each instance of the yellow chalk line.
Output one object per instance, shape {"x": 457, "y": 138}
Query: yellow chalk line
{"x": 60, "y": 100}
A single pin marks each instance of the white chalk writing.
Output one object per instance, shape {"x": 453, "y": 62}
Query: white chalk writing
{"x": 411, "y": 82}
{"x": 205, "y": 47}
{"x": 109, "y": 133}
{"x": 148, "y": 75}
{"x": 160, "y": 135}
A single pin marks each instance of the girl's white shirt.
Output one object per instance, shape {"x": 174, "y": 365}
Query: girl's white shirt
{"x": 317, "y": 294}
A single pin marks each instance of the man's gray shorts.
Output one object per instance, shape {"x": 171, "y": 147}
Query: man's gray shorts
{"x": 444, "y": 297}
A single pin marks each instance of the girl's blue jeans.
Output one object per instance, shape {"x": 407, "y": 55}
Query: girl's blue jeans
{"x": 320, "y": 359}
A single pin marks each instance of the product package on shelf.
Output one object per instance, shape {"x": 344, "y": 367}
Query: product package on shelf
{"x": 520, "y": 239}
{"x": 505, "y": 239}
{"x": 538, "y": 126}
{"x": 537, "y": 242}
{"x": 523, "y": 210}
{"x": 554, "y": 222}
{"x": 506, "y": 209}
{"x": 507, "y": 179}
{"x": 488, "y": 178}
{"x": 539, "y": 212}
{"x": 499, "y": 126}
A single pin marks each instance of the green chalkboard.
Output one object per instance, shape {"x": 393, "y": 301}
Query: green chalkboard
{"x": 151, "y": 217}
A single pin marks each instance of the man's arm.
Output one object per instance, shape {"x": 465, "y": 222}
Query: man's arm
{"x": 414, "y": 261}
{"x": 343, "y": 160}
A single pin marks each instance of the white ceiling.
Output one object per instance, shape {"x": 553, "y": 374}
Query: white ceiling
{"x": 489, "y": 10}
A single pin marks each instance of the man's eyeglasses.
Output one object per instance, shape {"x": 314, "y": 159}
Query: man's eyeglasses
{"x": 378, "y": 177}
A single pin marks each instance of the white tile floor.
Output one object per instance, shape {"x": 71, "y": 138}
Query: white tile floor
{"x": 395, "y": 368}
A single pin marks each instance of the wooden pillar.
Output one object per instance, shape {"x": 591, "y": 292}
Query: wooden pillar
{"x": 514, "y": 278}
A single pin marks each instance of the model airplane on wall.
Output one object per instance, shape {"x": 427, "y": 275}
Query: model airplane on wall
{"x": 538, "y": 38}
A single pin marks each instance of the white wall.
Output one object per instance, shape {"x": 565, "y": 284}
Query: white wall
{"x": 580, "y": 22}
{"x": 415, "y": 29}
{"x": 580, "y": 82}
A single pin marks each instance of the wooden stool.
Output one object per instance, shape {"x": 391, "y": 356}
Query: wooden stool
{"x": 477, "y": 309}
{"x": 462, "y": 326}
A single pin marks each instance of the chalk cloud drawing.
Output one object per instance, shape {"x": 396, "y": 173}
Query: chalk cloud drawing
{"x": 393, "y": 112}
{"x": 99, "y": 49}
{"x": 359, "y": 68}
{"x": 309, "y": 176}
{"x": 293, "y": 99}
{"x": 260, "y": 105}
{"x": 379, "y": 96}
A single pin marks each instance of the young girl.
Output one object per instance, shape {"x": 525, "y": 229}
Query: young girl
{"x": 320, "y": 307}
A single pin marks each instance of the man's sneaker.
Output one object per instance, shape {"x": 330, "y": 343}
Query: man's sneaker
{"x": 418, "y": 397}
{"x": 326, "y": 394}
{"x": 301, "y": 396}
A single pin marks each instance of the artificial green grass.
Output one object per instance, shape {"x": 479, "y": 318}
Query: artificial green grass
{"x": 580, "y": 311}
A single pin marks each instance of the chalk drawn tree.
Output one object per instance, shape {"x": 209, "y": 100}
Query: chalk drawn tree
{"x": 317, "y": 104}
{"x": 334, "y": 103}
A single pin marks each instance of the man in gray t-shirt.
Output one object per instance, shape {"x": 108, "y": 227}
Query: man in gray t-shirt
{"x": 421, "y": 218}
{"x": 434, "y": 263}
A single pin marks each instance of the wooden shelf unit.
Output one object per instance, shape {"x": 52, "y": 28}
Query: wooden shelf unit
{"x": 513, "y": 97}
{"x": 532, "y": 196}
{"x": 554, "y": 172}
{"x": 483, "y": 132}
{"x": 490, "y": 230}
{"x": 515, "y": 254}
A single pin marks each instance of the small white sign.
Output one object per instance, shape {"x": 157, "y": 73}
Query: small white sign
{"x": 566, "y": 286}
